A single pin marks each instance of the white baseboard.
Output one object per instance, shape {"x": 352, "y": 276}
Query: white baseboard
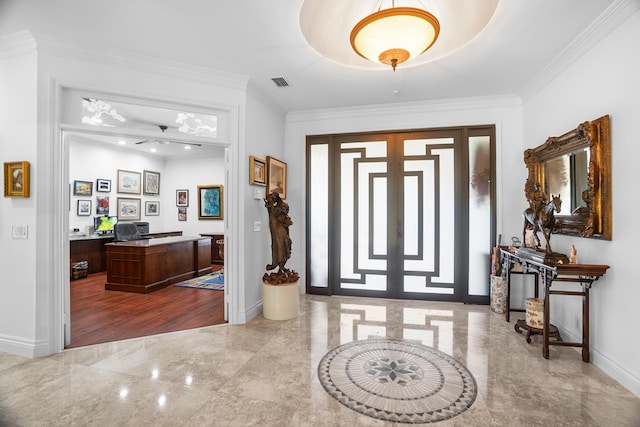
{"x": 608, "y": 366}
{"x": 23, "y": 347}
{"x": 251, "y": 313}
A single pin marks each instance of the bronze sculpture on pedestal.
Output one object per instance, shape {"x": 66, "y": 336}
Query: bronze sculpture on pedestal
{"x": 279, "y": 223}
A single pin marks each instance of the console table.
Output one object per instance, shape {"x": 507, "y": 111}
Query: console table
{"x": 144, "y": 266}
{"x": 547, "y": 274}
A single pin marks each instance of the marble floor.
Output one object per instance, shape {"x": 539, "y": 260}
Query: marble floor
{"x": 265, "y": 373}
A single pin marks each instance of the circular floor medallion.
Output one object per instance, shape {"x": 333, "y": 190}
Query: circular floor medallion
{"x": 397, "y": 381}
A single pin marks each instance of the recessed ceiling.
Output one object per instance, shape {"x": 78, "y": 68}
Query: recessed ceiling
{"x": 327, "y": 24}
{"x": 263, "y": 39}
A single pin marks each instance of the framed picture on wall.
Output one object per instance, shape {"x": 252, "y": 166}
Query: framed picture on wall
{"x": 182, "y": 197}
{"x": 82, "y": 188}
{"x": 276, "y": 177}
{"x": 128, "y": 209}
{"x": 103, "y": 185}
{"x": 152, "y": 208}
{"x": 102, "y": 205}
{"x": 210, "y": 202}
{"x": 16, "y": 179}
{"x": 84, "y": 207}
{"x": 129, "y": 182}
{"x": 151, "y": 183}
{"x": 257, "y": 171}
{"x": 182, "y": 214}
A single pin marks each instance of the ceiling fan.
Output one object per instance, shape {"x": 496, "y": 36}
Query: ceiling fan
{"x": 165, "y": 141}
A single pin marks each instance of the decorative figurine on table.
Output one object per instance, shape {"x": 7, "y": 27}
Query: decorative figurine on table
{"x": 540, "y": 217}
{"x": 573, "y": 255}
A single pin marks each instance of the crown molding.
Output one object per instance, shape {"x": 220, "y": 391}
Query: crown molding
{"x": 16, "y": 44}
{"x": 422, "y": 107}
{"x": 609, "y": 20}
{"x": 24, "y": 42}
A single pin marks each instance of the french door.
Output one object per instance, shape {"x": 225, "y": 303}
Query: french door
{"x": 401, "y": 214}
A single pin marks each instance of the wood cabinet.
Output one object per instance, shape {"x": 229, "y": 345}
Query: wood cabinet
{"x": 217, "y": 247}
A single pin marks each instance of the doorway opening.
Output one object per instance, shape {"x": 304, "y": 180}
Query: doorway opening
{"x": 97, "y": 155}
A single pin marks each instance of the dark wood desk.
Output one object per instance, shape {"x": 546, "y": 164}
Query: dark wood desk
{"x": 585, "y": 274}
{"x": 145, "y": 266}
{"x": 91, "y": 249}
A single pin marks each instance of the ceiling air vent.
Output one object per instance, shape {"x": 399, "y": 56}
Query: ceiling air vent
{"x": 280, "y": 81}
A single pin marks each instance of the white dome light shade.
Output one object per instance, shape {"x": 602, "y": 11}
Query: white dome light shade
{"x": 393, "y": 36}
{"x": 327, "y": 26}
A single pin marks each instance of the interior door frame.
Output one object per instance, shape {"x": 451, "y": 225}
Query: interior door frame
{"x": 461, "y": 162}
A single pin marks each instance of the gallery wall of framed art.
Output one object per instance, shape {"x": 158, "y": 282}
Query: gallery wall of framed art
{"x": 162, "y": 193}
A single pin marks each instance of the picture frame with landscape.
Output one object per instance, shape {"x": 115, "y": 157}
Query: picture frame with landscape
{"x": 128, "y": 209}
{"x": 82, "y": 188}
{"x": 210, "y": 202}
{"x": 129, "y": 182}
{"x": 276, "y": 177}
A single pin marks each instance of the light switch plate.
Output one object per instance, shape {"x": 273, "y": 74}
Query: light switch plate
{"x": 19, "y": 231}
{"x": 257, "y": 194}
{"x": 257, "y": 226}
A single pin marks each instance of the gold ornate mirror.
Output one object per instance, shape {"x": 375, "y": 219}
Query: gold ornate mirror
{"x": 577, "y": 166}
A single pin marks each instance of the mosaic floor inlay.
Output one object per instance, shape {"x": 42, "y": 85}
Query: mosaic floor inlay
{"x": 397, "y": 381}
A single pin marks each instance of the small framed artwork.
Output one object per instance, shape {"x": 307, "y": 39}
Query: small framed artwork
{"x": 16, "y": 179}
{"x": 152, "y": 208}
{"x": 210, "y": 202}
{"x": 182, "y": 198}
{"x": 151, "y": 183}
{"x": 84, "y": 207}
{"x": 102, "y": 205}
{"x": 182, "y": 214}
{"x": 82, "y": 188}
{"x": 276, "y": 177}
{"x": 103, "y": 185}
{"x": 257, "y": 171}
{"x": 128, "y": 209}
{"x": 129, "y": 182}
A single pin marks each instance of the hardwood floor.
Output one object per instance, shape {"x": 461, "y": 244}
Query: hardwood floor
{"x": 98, "y": 315}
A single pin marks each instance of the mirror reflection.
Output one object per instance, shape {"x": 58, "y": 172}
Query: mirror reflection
{"x": 568, "y": 176}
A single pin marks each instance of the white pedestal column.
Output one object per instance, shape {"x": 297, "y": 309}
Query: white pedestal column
{"x": 280, "y": 302}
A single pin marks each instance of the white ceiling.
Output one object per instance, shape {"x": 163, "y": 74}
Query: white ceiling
{"x": 263, "y": 39}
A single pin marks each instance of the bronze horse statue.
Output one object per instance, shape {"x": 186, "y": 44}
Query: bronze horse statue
{"x": 542, "y": 220}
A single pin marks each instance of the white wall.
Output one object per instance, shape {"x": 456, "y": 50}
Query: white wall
{"x": 604, "y": 81}
{"x": 264, "y": 137}
{"x": 187, "y": 175}
{"x": 18, "y": 125}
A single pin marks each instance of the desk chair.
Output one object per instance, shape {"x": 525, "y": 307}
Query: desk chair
{"x": 125, "y": 232}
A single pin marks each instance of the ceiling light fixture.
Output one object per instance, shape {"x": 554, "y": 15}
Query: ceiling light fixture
{"x": 393, "y": 36}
